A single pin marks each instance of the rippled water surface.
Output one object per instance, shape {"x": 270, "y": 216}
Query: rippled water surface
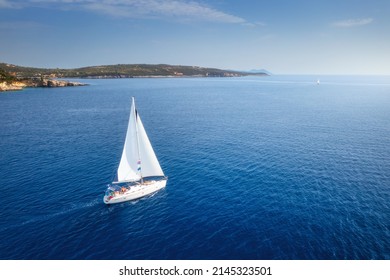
{"x": 259, "y": 168}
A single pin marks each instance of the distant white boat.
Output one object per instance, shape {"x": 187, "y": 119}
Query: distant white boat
{"x": 318, "y": 82}
{"x": 139, "y": 172}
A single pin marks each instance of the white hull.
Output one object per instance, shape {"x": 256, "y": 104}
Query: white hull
{"x": 136, "y": 191}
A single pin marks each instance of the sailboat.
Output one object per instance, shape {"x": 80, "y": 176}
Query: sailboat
{"x": 139, "y": 173}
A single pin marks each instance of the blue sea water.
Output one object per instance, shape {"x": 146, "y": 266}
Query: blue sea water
{"x": 259, "y": 168}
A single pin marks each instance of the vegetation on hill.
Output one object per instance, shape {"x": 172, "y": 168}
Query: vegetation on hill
{"x": 121, "y": 71}
{"x": 6, "y": 77}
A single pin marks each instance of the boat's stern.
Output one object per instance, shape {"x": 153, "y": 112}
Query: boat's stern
{"x": 109, "y": 194}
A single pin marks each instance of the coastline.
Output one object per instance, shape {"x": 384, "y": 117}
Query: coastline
{"x": 52, "y": 83}
{"x": 14, "y": 77}
{"x": 31, "y": 83}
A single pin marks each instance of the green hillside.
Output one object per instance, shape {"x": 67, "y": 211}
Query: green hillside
{"x": 6, "y": 77}
{"x": 121, "y": 71}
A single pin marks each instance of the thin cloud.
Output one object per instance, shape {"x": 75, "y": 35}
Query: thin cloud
{"x": 23, "y": 25}
{"x": 352, "y": 22}
{"x": 183, "y": 10}
{"x": 7, "y": 4}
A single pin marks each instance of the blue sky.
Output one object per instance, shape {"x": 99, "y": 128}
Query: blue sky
{"x": 282, "y": 36}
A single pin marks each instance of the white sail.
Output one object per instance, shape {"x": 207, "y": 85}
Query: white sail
{"x": 138, "y": 158}
{"x": 149, "y": 163}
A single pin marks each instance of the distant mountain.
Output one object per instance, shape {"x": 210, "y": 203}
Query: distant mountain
{"x": 122, "y": 71}
{"x": 263, "y": 71}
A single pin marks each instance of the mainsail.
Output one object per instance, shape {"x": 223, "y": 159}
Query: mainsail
{"x": 138, "y": 158}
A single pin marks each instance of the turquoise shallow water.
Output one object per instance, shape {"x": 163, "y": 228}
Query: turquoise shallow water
{"x": 259, "y": 168}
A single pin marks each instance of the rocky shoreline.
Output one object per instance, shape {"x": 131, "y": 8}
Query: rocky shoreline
{"x": 5, "y": 86}
{"x": 19, "y": 85}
